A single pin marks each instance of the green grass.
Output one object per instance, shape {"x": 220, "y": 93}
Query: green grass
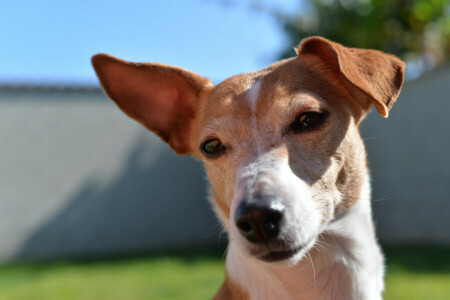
{"x": 417, "y": 273}
{"x": 413, "y": 273}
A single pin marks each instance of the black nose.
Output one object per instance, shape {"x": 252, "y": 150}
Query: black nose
{"x": 259, "y": 221}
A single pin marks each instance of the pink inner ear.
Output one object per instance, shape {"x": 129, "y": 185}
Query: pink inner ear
{"x": 151, "y": 98}
{"x": 158, "y": 107}
{"x": 169, "y": 97}
{"x": 155, "y": 95}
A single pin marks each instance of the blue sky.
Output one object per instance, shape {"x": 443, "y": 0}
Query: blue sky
{"x": 52, "y": 41}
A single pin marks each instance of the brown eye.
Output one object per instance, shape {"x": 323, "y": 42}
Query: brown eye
{"x": 308, "y": 120}
{"x": 212, "y": 148}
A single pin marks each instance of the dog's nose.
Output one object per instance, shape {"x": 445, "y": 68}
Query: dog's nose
{"x": 259, "y": 221}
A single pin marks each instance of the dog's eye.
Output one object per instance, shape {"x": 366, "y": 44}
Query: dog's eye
{"x": 212, "y": 148}
{"x": 307, "y": 120}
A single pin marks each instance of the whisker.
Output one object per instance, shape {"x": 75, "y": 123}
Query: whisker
{"x": 277, "y": 280}
{"x": 207, "y": 235}
{"x": 213, "y": 232}
{"x": 225, "y": 253}
{"x": 215, "y": 226}
{"x": 322, "y": 244}
{"x": 224, "y": 229}
{"x": 323, "y": 192}
{"x": 354, "y": 198}
{"x": 318, "y": 245}
{"x": 314, "y": 271}
{"x": 381, "y": 199}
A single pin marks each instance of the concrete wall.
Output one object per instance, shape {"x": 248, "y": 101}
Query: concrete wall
{"x": 78, "y": 178}
{"x": 409, "y": 157}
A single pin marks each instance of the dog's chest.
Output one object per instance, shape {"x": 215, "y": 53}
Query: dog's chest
{"x": 312, "y": 278}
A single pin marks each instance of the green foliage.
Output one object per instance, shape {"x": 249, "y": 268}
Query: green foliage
{"x": 414, "y": 29}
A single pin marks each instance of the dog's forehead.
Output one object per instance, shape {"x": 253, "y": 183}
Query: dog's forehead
{"x": 266, "y": 91}
{"x": 233, "y": 91}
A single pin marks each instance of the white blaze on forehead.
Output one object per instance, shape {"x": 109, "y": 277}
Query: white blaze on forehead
{"x": 252, "y": 98}
{"x": 253, "y": 93}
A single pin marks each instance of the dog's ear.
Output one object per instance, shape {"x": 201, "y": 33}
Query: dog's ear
{"x": 374, "y": 76}
{"x": 162, "y": 98}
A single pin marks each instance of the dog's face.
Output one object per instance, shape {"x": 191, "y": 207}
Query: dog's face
{"x": 279, "y": 150}
{"x": 280, "y": 146}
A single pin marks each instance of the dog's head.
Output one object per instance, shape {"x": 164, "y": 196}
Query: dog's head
{"x": 280, "y": 146}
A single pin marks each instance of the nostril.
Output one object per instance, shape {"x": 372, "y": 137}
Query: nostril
{"x": 259, "y": 222}
{"x": 273, "y": 217}
{"x": 244, "y": 225}
{"x": 271, "y": 222}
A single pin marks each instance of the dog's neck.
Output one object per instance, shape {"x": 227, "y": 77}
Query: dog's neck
{"x": 344, "y": 264}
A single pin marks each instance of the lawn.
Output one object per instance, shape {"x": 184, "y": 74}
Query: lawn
{"x": 413, "y": 273}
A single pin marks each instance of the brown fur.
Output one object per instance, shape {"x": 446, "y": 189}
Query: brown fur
{"x": 365, "y": 70}
{"x": 230, "y": 291}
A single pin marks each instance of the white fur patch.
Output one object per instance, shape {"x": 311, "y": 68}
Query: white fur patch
{"x": 253, "y": 93}
{"x": 276, "y": 176}
{"x": 350, "y": 254}
{"x": 252, "y": 98}
{"x": 250, "y": 275}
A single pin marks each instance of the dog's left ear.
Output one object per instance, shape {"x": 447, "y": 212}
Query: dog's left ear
{"x": 369, "y": 74}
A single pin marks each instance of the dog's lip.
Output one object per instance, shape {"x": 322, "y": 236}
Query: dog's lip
{"x": 274, "y": 256}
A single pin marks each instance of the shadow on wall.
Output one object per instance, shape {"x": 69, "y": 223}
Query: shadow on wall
{"x": 146, "y": 207}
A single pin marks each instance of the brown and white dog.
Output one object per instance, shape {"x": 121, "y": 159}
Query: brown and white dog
{"x": 285, "y": 160}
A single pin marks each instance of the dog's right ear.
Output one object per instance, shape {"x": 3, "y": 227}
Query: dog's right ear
{"x": 162, "y": 98}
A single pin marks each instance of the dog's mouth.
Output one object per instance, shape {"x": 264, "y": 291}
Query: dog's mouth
{"x": 274, "y": 256}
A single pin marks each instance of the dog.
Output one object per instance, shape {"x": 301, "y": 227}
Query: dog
{"x": 286, "y": 163}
